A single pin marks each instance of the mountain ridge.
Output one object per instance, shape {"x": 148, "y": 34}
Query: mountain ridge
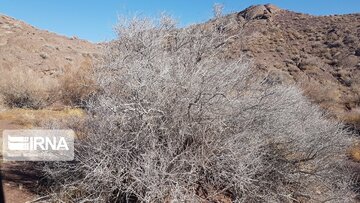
{"x": 321, "y": 54}
{"x": 23, "y": 45}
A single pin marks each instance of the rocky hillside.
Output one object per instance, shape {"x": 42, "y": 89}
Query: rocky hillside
{"x": 39, "y": 68}
{"x": 319, "y": 53}
{"x": 23, "y": 46}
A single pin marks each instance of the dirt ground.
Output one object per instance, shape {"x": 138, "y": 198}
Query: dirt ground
{"x": 19, "y": 182}
{"x": 14, "y": 178}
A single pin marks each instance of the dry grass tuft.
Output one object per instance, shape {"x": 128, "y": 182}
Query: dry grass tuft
{"x": 352, "y": 117}
{"x": 34, "y": 118}
{"x": 354, "y": 152}
{"x": 77, "y": 85}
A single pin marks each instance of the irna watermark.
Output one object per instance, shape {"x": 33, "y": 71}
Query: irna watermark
{"x": 38, "y": 145}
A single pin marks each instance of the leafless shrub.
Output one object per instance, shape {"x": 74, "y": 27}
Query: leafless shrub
{"x": 218, "y": 9}
{"x": 175, "y": 122}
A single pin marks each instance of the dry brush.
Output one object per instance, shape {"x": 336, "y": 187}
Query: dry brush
{"x": 175, "y": 121}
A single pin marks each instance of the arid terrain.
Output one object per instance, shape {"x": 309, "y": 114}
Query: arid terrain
{"x": 40, "y": 61}
{"x": 42, "y": 65}
{"x": 25, "y": 47}
{"x": 321, "y": 54}
{"x": 44, "y": 76}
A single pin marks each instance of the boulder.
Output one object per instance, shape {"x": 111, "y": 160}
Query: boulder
{"x": 272, "y": 8}
{"x": 260, "y": 12}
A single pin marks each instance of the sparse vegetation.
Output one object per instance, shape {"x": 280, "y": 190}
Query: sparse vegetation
{"x": 26, "y": 89}
{"x": 77, "y": 86}
{"x": 174, "y": 121}
{"x": 29, "y": 89}
{"x": 39, "y": 68}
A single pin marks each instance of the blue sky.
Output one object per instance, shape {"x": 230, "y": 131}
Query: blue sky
{"x": 93, "y": 20}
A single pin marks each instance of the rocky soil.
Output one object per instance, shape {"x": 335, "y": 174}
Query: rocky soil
{"x": 321, "y": 54}
{"x": 25, "y": 47}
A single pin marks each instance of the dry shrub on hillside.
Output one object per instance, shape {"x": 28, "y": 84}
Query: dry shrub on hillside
{"x": 2, "y": 103}
{"x": 30, "y": 89}
{"x": 26, "y": 88}
{"x": 175, "y": 122}
{"x": 77, "y": 85}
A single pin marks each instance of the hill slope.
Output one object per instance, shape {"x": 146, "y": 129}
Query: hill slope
{"x": 319, "y": 53}
{"x": 40, "y": 68}
{"x": 23, "y": 46}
